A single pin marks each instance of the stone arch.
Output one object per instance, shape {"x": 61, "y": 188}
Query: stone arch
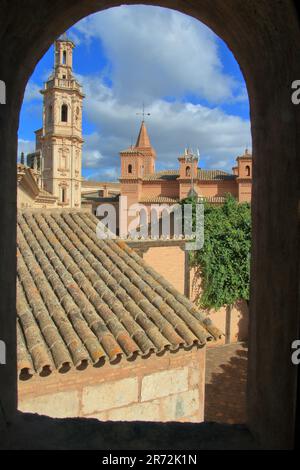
{"x": 64, "y": 113}
{"x": 260, "y": 29}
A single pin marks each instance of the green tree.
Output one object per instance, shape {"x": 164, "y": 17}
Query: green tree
{"x": 224, "y": 261}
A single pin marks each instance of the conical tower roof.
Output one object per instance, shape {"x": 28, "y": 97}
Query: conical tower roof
{"x": 143, "y": 138}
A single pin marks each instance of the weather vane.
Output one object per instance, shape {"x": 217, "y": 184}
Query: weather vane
{"x": 143, "y": 113}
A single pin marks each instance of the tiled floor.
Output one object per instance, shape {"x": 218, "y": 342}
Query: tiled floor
{"x": 226, "y": 379}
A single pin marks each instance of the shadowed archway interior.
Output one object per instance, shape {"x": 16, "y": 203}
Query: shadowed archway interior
{"x": 264, "y": 37}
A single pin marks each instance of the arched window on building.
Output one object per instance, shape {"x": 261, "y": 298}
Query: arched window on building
{"x": 130, "y": 168}
{"x": 247, "y": 169}
{"x": 64, "y": 60}
{"x": 63, "y": 194}
{"x": 188, "y": 171}
{"x": 64, "y": 113}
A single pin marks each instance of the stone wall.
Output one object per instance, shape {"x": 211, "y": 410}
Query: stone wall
{"x": 165, "y": 388}
{"x": 24, "y": 199}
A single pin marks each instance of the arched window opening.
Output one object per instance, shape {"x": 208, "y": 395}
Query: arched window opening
{"x": 64, "y": 113}
{"x": 247, "y": 169}
{"x": 63, "y": 195}
{"x": 130, "y": 168}
{"x": 188, "y": 171}
{"x": 64, "y": 60}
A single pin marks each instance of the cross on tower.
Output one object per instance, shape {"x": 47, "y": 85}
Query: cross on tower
{"x": 143, "y": 113}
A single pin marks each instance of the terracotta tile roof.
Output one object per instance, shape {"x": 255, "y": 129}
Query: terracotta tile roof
{"x": 246, "y": 155}
{"x": 162, "y": 175}
{"x": 84, "y": 301}
{"x": 159, "y": 200}
{"x": 203, "y": 174}
{"x": 214, "y": 175}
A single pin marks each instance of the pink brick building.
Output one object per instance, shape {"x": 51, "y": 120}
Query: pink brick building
{"x": 140, "y": 183}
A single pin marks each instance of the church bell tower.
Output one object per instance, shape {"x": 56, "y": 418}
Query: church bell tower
{"x": 60, "y": 139}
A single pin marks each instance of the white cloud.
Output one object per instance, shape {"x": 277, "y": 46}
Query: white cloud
{"x": 159, "y": 52}
{"x": 92, "y": 157}
{"x": 171, "y": 126}
{"x": 155, "y": 53}
{"x": 107, "y": 174}
{"x": 32, "y": 92}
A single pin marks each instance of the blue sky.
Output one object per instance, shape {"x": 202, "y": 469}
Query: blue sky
{"x": 186, "y": 76}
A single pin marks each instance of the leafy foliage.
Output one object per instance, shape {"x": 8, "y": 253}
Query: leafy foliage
{"x": 224, "y": 260}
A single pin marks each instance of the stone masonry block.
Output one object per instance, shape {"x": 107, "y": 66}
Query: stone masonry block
{"x": 56, "y": 405}
{"x": 109, "y": 395}
{"x": 161, "y": 384}
{"x": 195, "y": 375}
{"x": 148, "y": 411}
{"x": 181, "y": 406}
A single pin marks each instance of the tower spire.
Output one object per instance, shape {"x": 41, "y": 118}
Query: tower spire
{"x": 143, "y": 138}
{"x": 138, "y": 160}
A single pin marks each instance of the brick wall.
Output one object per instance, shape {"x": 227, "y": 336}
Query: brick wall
{"x": 159, "y": 388}
{"x": 245, "y": 189}
{"x": 169, "y": 261}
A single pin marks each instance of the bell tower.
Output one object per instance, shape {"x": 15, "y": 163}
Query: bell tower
{"x": 138, "y": 161}
{"x": 60, "y": 139}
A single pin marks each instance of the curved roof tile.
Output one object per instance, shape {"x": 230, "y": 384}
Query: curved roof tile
{"x": 83, "y": 301}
